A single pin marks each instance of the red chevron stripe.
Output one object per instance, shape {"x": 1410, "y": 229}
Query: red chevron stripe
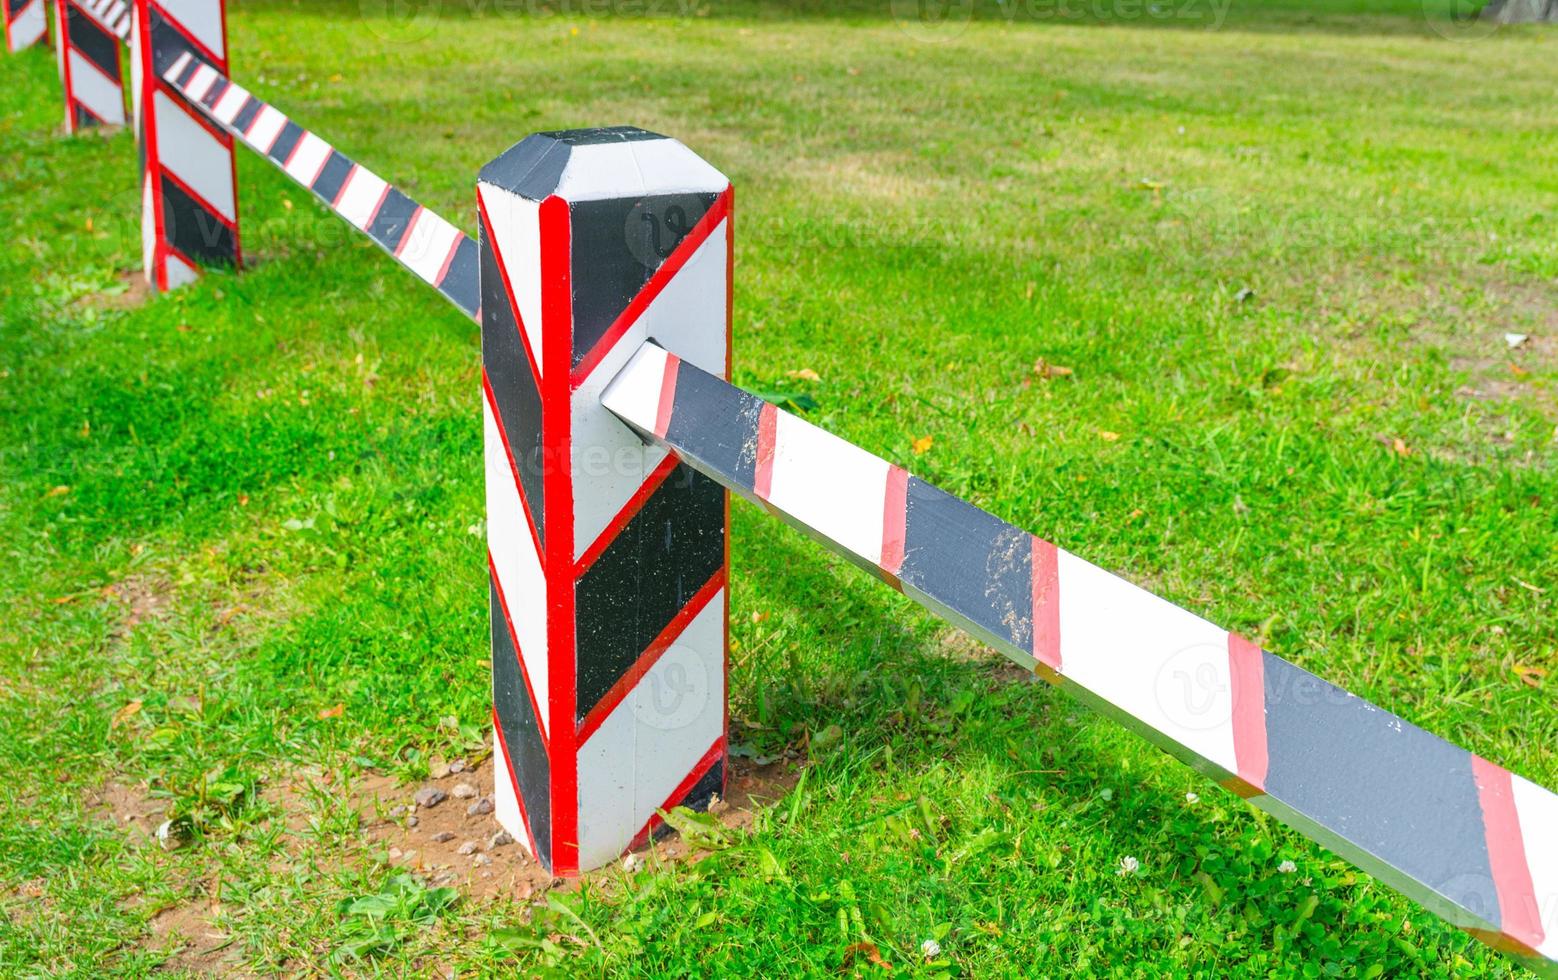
{"x": 508, "y": 765}
{"x": 206, "y": 205}
{"x": 1519, "y": 913}
{"x": 508, "y": 287}
{"x": 626, "y": 514}
{"x": 895, "y": 516}
{"x": 628, "y": 681}
{"x": 508, "y": 624}
{"x": 519, "y": 485}
{"x": 556, "y": 427}
{"x": 1247, "y": 671}
{"x": 191, "y": 40}
{"x": 1046, "y": 604}
{"x": 715, "y": 753}
{"x": 657, "y": 282}
{"x": 763, "y": 467}
{"x": 667, "y": 405}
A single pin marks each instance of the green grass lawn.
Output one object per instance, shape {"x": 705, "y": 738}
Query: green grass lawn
{"x": 1279, "y": 250}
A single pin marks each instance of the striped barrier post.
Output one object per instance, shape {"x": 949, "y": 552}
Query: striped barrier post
{"x": 25, "y": 24}
{"x": 189, "y": 180}
{"x": 1469, "y": 840}
{"x": 607, "y": 558}
{"x": 90, "y": 66}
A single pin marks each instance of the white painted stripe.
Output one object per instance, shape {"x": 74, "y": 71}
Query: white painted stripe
{"x": 228, "y": 106}
{"x": 99, "y": 93}
{"x": 518, "y": 566}
{"x": 265, "y": 127}
{"x": 1164, "y": 666}
{"x": 180, "y": 273}
{"x": 638, "y": 168}
{"x": 650, "y": 743}
{"x": 516, "y": 235}
{"x": 1538, "y": 810}
{"x": 610, "y": 461}
{"x": 28, "y": 27}
{"x": 832, "y": 487}
{"x": 148, "y": 229}
{"x": 426, "y": 244}
{"x": 308, "y": 156}
{"x": 202, "y": 19}
{"x": 177, "y": 68}
{"x": 189, "y": 151}
{"x": 360, "y": 197}
{"x": 205, "y": 76}
{"x": 635, "y": 392}
{"x": 505, "y": 802}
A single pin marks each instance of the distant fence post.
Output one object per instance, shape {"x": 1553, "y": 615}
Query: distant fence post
{"x": 189, "y": 184}
{"x": 91, "y": 69}
{"x": 608, "y": 558}
{"x": 25, "y": 24}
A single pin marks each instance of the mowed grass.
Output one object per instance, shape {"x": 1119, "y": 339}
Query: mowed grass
{"x": 1279, "y": 254}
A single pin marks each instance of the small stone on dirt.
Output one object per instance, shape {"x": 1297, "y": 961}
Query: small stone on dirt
{"x": 465, "y": 791}
{"x": 468, "y": 848}
{"x": 443, "y": 837}
{"x": 412, "y": 821}
{"x": 459, "y": 765}
{"x": 395, "y": 853}
{"x": 501, "y": 839}
{"x": 481, "y": 807}
{"x": 430, "y": 796}
{"x": 397, "y": 813}
{"x": 481, "y": 860}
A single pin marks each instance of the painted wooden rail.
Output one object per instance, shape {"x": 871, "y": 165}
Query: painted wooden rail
{"x": 1469, "y": 840}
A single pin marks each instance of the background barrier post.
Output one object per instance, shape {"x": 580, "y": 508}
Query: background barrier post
{"x": 608, "y": 558}
{"x": 25, "y": 24}
{"x": 91, "y": 69}
{"x": 189, "y": 184}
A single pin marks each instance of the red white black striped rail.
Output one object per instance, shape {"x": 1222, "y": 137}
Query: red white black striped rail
{"x": 436, "y": 251}
{"x": 1472, "y": 842}
{"x": 113, "y": 15}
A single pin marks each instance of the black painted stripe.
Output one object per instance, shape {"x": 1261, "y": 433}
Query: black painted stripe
{"x": 214, "y": 93}
{"x": 969, "y": 561}
{"x": 699, "y": 796}
{"x": 245, "y": 117}
{"x": 521, "y": 733}
{"x": 167, "y": 43}
{"x": 332, "y": 175}
{"x": 83, "y": 116}
{"x": 93, "y": 42}
{"x": 670, "y": 549}
{"x": 394, "y": 217}
{"x": 286, "y": 142}
{"x": 187, "y": 72}
{"x": 514, "y": 387}
{"x": 1400, "y": 793}
{"x": 195, "y": 231}
{"x": 618, "y": 243}
{"x": 731, "y": 449}
{"x": 462, "y": 283}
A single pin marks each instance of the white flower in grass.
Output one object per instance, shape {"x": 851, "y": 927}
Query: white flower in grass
{"x": 1128, "y": 865}
{"x": 1192, "y": 798}
{"x": 930, "y": 948}
{"x": 1287, "y": 867}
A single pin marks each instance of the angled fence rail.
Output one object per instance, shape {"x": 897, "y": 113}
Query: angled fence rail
{"x": 1466, "y": 838}
{"x": 601, "y": 278}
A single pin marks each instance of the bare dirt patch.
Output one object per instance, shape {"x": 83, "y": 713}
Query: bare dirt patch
{"x": 128, "y": 807}
{"x": 129, "y": 291}
{"x": 142, "y": 600}
{"x": 457, "y": 841}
